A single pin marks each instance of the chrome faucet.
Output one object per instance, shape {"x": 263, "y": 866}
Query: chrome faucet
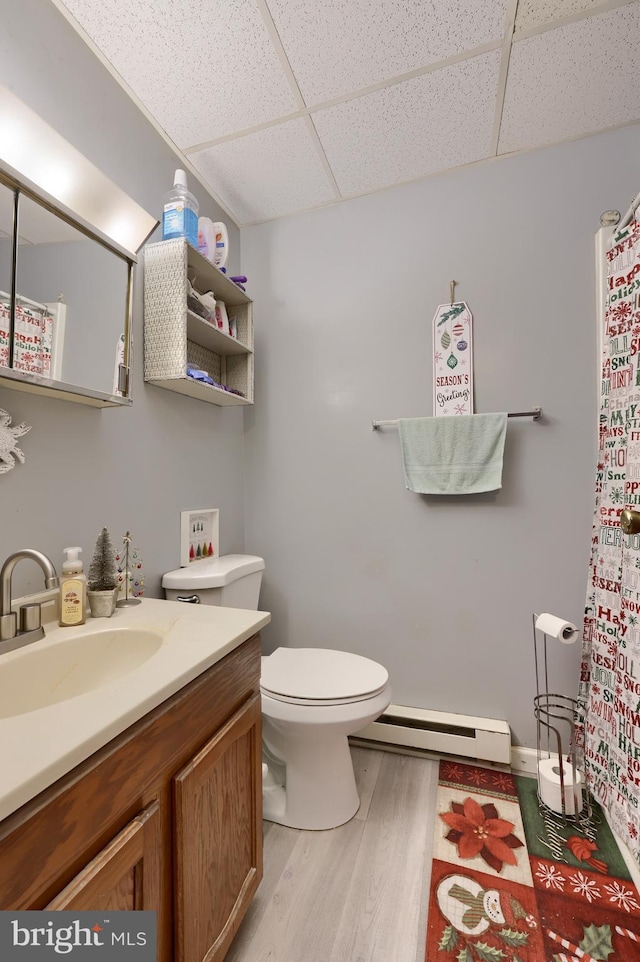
{"x": 30, "y": 616}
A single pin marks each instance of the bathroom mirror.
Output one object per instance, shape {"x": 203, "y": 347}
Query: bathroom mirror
{"x": 70, "y": 323}
{"x": 68, "y": 239}
{"x": 74, "y": 292}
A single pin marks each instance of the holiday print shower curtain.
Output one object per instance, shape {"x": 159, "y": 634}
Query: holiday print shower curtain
{"x": 610, "y": 674}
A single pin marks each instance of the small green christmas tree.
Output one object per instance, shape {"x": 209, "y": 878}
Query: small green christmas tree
{"x": 103, "y": 574}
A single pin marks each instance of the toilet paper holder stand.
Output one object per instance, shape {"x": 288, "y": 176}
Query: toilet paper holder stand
{"x": 556, "y": 717}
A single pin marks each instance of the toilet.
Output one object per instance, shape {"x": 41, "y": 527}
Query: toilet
{"x": 312, "y": 700}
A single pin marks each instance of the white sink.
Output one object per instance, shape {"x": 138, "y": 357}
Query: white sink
{"x": 39, "y": 677}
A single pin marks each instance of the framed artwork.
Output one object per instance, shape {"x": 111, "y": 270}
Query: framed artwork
{"x": 199, "y": 535}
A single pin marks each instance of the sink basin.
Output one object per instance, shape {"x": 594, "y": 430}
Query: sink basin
{"x": 45, "y": 676}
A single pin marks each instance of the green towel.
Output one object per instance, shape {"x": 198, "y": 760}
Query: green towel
{"x": 458, "y": 454}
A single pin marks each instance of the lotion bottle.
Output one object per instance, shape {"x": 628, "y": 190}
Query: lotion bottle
{"x": 73, "y": 589}
{"x": 206, "y": 238}
{"x": 213, "y": 241}
{"x": 221, "y": 240}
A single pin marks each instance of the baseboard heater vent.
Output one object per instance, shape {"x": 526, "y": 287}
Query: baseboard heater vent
{"x": 442, "y": 732}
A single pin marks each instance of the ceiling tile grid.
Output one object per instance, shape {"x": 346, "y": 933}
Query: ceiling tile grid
{"x": 395, "y": 90}
{"x": 338, "y": 46}
{"x": 203, "y": 69}
{"x": 573, "y": 80}
{"x": 542, "y": 13}
{"x": 267, "y": 174}
{"x": 434, "y": 122}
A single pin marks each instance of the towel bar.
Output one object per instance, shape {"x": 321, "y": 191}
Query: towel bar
{"x": 535, "y": 413}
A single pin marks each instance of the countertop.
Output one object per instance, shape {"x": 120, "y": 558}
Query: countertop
{"x": 38, "y": 747}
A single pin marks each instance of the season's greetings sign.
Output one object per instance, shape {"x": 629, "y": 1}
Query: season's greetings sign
{"x": 610, "y": 678}
{"x": 452, "y": 360}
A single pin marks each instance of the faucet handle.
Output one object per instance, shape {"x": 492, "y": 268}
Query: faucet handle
{"x": 30, "y": 617}
{"x": 8, "y": 626}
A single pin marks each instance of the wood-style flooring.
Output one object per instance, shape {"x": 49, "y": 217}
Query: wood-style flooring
{"x": 357, "y": 893}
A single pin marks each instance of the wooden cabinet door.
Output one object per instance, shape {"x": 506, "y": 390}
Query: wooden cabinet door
{"x": 125, "y": 875}
{"x": 218, "y": 837}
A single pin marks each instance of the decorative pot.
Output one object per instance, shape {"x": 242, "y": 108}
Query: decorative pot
{"x": 103, "y": 603}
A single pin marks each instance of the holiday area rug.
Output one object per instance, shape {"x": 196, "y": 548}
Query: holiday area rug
{"x": 511, "y": 885}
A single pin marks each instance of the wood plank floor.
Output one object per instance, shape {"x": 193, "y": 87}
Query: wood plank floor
{"x": 357, "y": 893}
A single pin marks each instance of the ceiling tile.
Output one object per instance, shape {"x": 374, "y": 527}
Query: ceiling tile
{"x": 339, "y": 46}
{"x": 573, "y": 80}
{"x": 202, "y": 69}
{"x": 540, "y": 13}
{"x": 267, "y": 174}
{"x": 431, "y": 123}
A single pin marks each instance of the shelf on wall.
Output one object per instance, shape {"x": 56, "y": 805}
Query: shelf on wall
{"x": 198, "y": 389}
{"x": 202, "y": 332}
{"x": 176, "y": 338}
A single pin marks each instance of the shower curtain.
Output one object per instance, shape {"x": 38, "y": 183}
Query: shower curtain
{"x": 610, "y": 672}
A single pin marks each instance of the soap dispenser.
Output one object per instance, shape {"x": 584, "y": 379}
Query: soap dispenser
{"x": 73, "y": 589}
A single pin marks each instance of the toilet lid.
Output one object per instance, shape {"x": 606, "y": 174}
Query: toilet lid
{"x": 320, "y": 676}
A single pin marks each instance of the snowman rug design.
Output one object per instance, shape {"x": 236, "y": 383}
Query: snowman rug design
{"x": 484, "y": 923}
{"x": 471, "y": 909}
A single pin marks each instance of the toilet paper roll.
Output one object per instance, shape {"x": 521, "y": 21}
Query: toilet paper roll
{"x": 550, "y": 790}
{"x": 556, "y": 627}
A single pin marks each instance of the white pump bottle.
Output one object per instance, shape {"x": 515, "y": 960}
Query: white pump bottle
{"x": 73, "y": 589}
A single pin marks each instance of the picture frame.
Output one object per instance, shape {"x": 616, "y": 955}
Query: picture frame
{"x": 199, "y": 535}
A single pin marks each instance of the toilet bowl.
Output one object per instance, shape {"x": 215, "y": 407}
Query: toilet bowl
{"x": 312, "y": 700}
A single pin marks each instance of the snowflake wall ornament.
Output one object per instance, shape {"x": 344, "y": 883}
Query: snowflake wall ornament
{"x": 8, "y": 446}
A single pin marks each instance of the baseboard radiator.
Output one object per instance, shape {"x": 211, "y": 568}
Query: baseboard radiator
{"x": 444, "y": 733}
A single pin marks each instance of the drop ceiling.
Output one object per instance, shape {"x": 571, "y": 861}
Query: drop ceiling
{"x": 282, "y": 106}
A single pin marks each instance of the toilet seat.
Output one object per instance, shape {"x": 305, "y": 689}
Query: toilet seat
{"x": 321, "y": 676}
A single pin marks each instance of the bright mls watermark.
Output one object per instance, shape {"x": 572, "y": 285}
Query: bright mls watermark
{"x": 79, "y": 936}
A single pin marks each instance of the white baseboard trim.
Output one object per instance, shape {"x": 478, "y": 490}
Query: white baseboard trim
{"x": 524, "y": 761}
{"x": 464, "y": 736}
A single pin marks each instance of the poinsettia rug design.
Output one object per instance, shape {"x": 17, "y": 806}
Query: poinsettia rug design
{"x": 510, "y": 884}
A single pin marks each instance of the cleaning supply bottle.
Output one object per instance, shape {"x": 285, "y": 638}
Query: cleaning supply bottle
{"x": 73, "y": 589}
{"x": 180, "y": 214}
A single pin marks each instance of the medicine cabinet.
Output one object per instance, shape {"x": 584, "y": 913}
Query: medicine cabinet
{"x": 68, "y": 244}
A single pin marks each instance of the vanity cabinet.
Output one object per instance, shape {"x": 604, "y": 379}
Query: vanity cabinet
{"x": 124, "y": 876}
{"x": 166, "y": 817}
{"x": 215, "y": 856}
{"x": 176, "y": 336}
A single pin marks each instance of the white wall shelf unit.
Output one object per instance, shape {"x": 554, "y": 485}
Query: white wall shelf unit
{"x": 174, "y": 336}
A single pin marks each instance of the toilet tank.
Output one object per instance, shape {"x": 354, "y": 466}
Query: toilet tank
{"x": 232, "y": 580}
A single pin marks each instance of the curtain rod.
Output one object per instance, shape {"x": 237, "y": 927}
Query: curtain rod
{"x": 536, "y": 414}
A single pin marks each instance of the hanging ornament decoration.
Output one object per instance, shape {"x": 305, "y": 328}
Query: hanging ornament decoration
{"x": 9, "y": 450}
{"x": 452, "y": 330}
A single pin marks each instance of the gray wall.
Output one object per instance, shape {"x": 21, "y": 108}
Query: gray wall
{"x": 440, "y": 590}
{"x": 132, "y": 468}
